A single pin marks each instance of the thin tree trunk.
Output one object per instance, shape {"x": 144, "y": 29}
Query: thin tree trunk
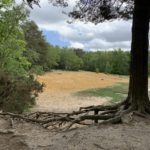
{"x": 138, "y": 86}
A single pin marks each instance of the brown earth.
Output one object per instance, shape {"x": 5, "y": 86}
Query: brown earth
{"x": 25, "y": 136}
{"x": 60, "y": 87}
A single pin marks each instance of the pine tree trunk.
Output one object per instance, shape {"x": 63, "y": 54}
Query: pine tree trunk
{"x": 138, "y": 86}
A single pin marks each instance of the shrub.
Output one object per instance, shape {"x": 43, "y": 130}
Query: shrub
{"x": 18, "y": 94}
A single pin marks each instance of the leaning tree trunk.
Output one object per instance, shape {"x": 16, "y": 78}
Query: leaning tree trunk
{"x": 138, "y": 86}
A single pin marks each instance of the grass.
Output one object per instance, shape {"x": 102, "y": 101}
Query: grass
{"x": 116, "y": 93}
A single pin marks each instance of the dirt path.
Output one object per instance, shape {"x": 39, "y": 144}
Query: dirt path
{"x": 60, "y": 87}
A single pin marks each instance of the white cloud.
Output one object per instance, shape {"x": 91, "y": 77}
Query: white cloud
{"x": 76, "y": 45}
{"x": 108, "y": 35}
{"x": 98, "y": 44}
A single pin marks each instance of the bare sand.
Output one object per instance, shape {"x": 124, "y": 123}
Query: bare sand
{"x": 25, "y": 136}
{"x": 60, "y": 87}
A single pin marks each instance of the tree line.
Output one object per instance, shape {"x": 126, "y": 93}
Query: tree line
{"x": 45, "y": 57}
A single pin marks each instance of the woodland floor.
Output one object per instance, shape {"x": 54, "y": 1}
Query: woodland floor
{"x": 59, "y": 96}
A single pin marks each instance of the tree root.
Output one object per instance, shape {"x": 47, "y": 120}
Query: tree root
{"x": 110, "y": 114}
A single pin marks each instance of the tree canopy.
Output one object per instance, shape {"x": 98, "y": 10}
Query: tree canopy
{"x": 96, "y": 11}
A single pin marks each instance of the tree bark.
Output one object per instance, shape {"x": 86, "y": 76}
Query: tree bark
{"x": 138, "y": 84}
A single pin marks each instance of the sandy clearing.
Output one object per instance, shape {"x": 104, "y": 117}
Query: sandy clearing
{"x": 60, "y": 87}
{"x": 71, "y": 81}
{"x": 65, "y": 102}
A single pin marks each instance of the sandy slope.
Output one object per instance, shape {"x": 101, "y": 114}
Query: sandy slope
{"x": 60, "y": 87}
{"x": 25, "y": 136}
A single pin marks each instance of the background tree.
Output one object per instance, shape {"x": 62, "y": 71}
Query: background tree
{"x": 90, "y": 61}
{"x": 41, "y": 54}
{"x": 114, "y": 62}
{"x": 79, "y": 52}
{"x": 69, "y": 60}
{"x": 120, "y": 62}
{"x": 53, "y": 57}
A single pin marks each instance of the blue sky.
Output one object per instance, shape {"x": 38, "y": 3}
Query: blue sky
{"x": 54, "y": 38}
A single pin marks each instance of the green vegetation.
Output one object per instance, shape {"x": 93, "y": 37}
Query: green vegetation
{"x": 116, "y": 93}
{"x": 69, "y": 60}
{"x": 38, "y": 52}
{"x": 18, "y": 88}
{"x": 114, "y": 62}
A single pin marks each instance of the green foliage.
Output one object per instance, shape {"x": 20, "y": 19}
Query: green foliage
{"x": 79, "y": 52}
{"x": 116, "y": 93}
{"x": 11, "y": 56}
{"x": 69, "y": 60}
{"x": 12, "y": 44}
{"x": 53, "y": 57}
{"x": 120, "y": 62}
{"x": 114, "y": 62}
{"x": 18, "y": 89}
{"x": 10, "y": 17}
{"x": 89, "y": 61}
{"x": 41, "y": 55}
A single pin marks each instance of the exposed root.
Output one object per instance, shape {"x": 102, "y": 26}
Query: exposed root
{"x": 110, "y": 114}
{"x": 139, "y": 114}
{"x": 114, "y": 120}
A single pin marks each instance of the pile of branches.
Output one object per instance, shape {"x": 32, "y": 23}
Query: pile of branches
{"x": 84, "y": 116}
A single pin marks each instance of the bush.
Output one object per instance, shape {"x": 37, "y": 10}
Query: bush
{"x": 17, "y": 94}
